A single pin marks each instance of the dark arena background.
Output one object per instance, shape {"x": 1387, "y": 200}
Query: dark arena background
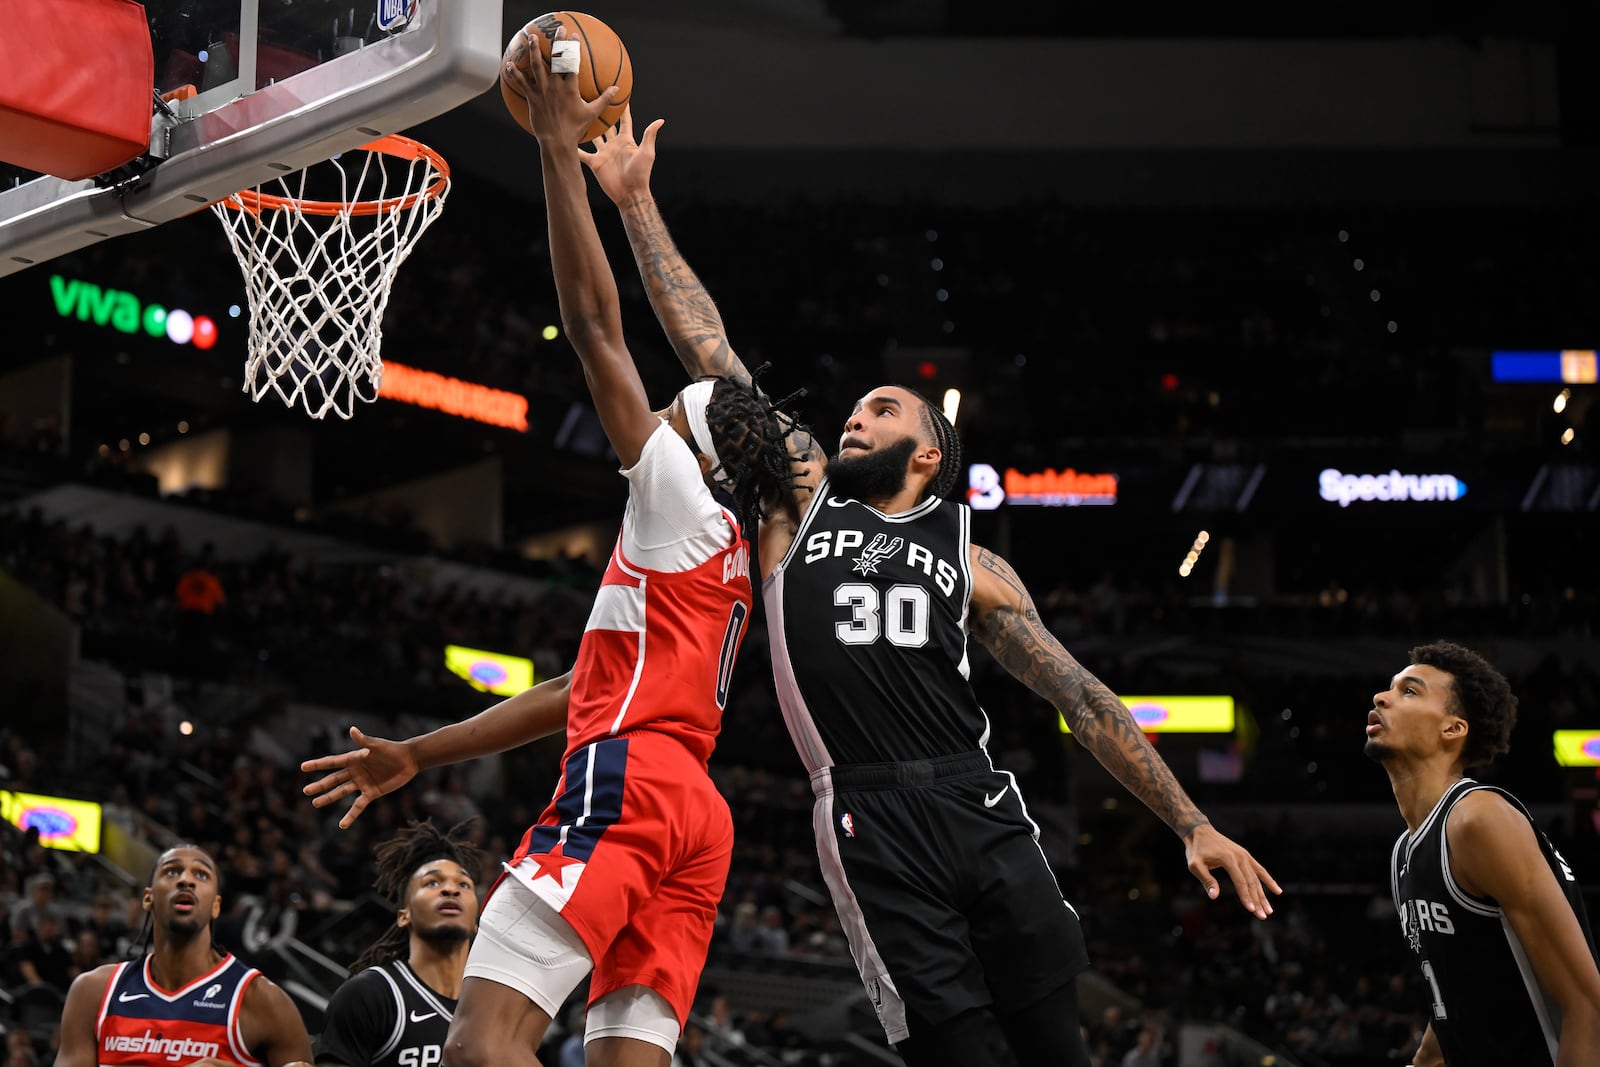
{"x": 1273, "y": 331}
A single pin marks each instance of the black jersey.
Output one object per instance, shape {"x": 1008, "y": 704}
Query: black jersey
{"x": 1487, "y": 1007}
{"x": 867, "y": 614}
{"x": 385, "y": 1016}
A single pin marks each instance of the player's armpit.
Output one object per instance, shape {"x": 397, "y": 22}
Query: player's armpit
{"x": 1494, "y": 854}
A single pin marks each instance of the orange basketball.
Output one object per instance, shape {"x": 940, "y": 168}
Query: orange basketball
{"x": 602, "y": 63}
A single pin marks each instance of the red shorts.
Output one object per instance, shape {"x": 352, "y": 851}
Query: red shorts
{"x": 634, "y": 852}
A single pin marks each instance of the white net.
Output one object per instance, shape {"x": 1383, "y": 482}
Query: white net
{"x": 317, "y": 272}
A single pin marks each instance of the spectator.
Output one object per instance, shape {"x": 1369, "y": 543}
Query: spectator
{"x": 41, "y": 902}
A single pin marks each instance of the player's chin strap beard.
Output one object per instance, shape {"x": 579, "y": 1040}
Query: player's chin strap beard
{"x": 696, "y": 399}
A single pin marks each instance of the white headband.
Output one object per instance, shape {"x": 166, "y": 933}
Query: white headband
{"x": 696, "y": 398}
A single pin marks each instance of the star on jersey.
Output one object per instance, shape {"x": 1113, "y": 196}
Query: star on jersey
{"x": 880, "y": 549}
{"x": 552, "y": 865}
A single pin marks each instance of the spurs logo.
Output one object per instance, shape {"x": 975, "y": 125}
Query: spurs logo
{"x": 880, "y": 549}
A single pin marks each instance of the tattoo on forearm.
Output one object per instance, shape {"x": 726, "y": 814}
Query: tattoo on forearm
{"x": 686, "y": 311}
{"x": 1017, "y": 638}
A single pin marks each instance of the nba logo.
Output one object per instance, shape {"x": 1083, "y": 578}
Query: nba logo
{"x": 848, "y": 823}
{"x": 395, "y": 13}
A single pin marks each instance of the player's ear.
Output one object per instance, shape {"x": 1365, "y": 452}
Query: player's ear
{"x": 216, "y": 905}
{"x": 1455, "y": 728}
{"x": 148, "y": 901}
{"x": 402, "y": 918}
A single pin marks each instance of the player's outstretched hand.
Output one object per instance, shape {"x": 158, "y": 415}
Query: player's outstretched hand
{"x": 622, "y": 165}
{"x": 378, "y": 767}
{"x": 556, "y": 111}
{"x": 1209, "y": 850}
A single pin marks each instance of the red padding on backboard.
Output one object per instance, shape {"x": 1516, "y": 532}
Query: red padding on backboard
{"x": 75, "y": 85}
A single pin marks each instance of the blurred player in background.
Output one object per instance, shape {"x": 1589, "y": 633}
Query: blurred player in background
{"x": 872, "y": 588}
{"x": 185, "y": 1001}
{"x": 396, "y": 1008}
{"x": 622, "y": 874}
{"x": 1490, "y": 909}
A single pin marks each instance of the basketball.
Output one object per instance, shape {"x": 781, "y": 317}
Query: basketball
{"x": 602, "y": 63}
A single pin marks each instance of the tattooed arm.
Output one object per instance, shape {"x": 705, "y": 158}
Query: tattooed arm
{"x": 689, "y": 317}
{"x": 1006, "y": 623}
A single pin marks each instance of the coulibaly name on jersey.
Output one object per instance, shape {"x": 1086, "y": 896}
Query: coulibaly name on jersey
{"x": 1429, "y": 915}
{"x": 868, "y": 556}
{"x": 736, "y": 564}
{"x": 173, "y": 1049}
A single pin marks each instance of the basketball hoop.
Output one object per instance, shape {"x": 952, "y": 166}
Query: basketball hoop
{"x": 318, "y": 272}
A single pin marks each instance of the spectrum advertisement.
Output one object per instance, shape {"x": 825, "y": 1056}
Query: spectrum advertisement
{"x": 1345, "y": 488}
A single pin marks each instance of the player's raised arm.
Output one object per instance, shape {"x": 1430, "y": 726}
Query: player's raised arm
{"x": 1494, "y": 854}
{"x": 1006, "y": 623}
{"x": 587, "y": 291}
{"x": 687, "y": 314}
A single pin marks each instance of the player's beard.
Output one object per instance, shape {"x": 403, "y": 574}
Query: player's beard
{"x": 1377, "y": 751}
{"x": 873, "y": 477}
{"x": 445, "y": 935}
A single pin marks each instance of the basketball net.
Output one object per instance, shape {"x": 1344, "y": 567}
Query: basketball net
{"x": 318, "y": 272}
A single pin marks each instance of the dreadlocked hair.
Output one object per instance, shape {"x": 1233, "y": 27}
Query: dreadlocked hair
{"x": 398, "y": 858}
{"x": 750, "y": 431}
{"x": 943, "y": 433}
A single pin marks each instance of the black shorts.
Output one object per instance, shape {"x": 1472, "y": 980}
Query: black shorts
{"x": 942, "y": 890}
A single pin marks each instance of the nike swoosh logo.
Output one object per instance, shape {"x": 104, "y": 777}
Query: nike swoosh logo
{"x": 124, "y": 998}
{"x": 991, "y": 801}
{"x": 418, "y": 1018}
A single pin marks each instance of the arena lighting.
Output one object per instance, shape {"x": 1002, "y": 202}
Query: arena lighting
{"x": 466, "y": 400}
{"x": 1577, "y": 748}
{"x": 1177, "y": 715}
{"x": 1574, "y": 366}
{"x": 64, "y": 824}
{"x": 952, "y": 404}
{"x": 490, "y": 672}
{"x": 123, "y": 312}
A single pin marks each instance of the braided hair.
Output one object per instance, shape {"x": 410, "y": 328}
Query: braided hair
{"x": 944, "y": 436}
{"x": 750, "y": 432}
{"x": 398, "y": 859}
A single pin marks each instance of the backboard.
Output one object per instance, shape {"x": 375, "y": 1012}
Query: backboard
{"x": 258, "y": 89}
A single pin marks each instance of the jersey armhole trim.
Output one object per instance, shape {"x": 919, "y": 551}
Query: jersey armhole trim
{"x": 399, "y": 1015}
{"x": 1461, "y": 896}
{"x": 805, "y": 525}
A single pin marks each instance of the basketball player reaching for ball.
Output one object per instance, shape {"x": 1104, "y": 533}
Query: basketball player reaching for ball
{"x": 185, "y": 1002}
{"x": 623, "y": 872}
{"x": 395, "y": 1009}
{"x": 1488, "y": 906}
{"x": 872, "y": 587}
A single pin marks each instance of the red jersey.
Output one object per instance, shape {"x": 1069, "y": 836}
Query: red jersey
{"x": 143, "y": 1025}
{"x": 659, "y": 647}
